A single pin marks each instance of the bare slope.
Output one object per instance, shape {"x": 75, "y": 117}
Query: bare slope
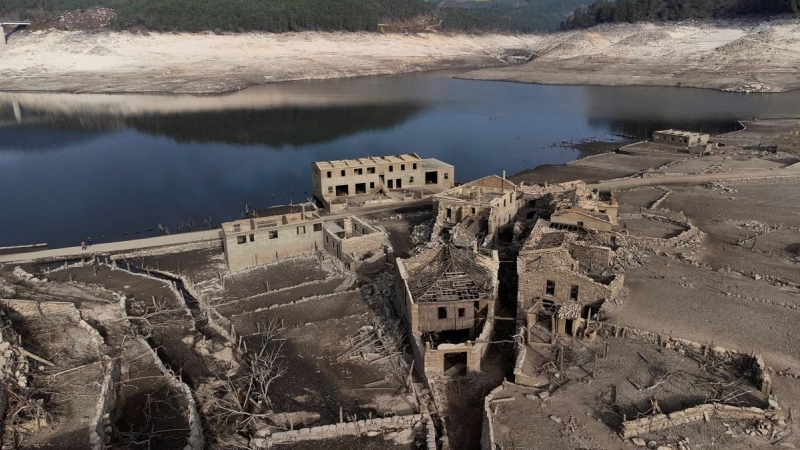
{"x": 736, "y": 56}
{"x": 208, "y": 63}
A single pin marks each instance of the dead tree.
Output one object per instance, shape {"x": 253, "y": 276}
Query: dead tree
{"x": 234, "y": 404}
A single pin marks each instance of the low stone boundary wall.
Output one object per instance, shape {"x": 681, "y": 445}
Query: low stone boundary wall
{"x": 762, "y": 379}
{"x": 421, "y": 423}
{"x": 195, "y": 439}
{"x": 100, "y": 435}
{"x": 487, "y": 428}
{"x": 645, "y": 425}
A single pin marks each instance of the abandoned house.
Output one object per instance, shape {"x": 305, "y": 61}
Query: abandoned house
{"x": 273, "y": 234}
{"x": 583, "y": 208}
{"x": 337, "y": 181}
{"x": 353, "y": 241}
{"x": 790, "y": 143}
{"x": 563, "y": 277}
{"x": 446, "y": 296}
{"x": 680, "y": 138}
{"x": 482, "y": 207}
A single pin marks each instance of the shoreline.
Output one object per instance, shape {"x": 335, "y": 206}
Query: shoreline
{"x": 742, "y": 57}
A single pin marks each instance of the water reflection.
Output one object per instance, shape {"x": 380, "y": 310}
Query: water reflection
{"x": 120, "y": 165}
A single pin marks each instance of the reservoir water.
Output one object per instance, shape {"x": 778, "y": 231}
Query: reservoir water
{"x": 116, "y": 166}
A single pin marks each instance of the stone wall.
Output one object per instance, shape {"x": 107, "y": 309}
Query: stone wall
{"x": 259, "y": 249}
{"x": 420, "y": 423}
{"x": 101, "y": 433}
{"x": 487, "y": 428}
{"x": 532, "y": 284}
{"x": 361, "y": 242}
{"x": 645, "y": 425}
{"x": 761, "y": 379}
{"x": 194, "y": 439}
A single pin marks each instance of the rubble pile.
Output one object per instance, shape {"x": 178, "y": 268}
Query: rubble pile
{"x": 14, "y": 365}
{"x": 714, "y": 186}
{"x": 422, "y": 234}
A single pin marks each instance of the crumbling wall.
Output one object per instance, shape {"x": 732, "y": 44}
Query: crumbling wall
{"x": 100, "y": 434}
{"x": 591, "y": 257}
{"x": 487, "y": 427}
{"x": 705, "y": 412}
{"x": 421, "y": 423}
{"x": 533, "y": 284}
{"x": 194, "y": 440}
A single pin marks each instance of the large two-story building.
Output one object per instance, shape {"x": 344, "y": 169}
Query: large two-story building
{"x": 336, "y": 181}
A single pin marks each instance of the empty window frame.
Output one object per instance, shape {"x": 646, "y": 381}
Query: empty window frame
{"x": 344, "y": 172}
{"x": 442, "y": 311}
{"x": 446, "y": 175}
{"x": 252, "y": 238}
{"x": 402, "y": 167}
{"x": 301, "y": 229}
{"x": 372, "y": 185}
{"x": 358, "y": 171}
{"x": 370, "y": 170}
{"x": 330, "y": 189}
{"x": 391, "y": 168}
{"x": 237, "y": 227}
{"x": 573, "y": 292}
{"x": 550, "y": 288}
{"x": 241, "y": 239}
{"x": 410, "y": 179}
{"x": 462, "y": 312}
{"x": 414, "y": 166}
{"x": 317, "y": 227}
{"x": 330, "y": 174}
{"x": 273, "y": 234}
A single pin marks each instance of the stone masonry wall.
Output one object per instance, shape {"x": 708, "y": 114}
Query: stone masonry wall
{"x": 645, "y": 425}
{"x": 100, "y": 435}
{"x": 195, "y": 439}
{"x": 421, "y": 423}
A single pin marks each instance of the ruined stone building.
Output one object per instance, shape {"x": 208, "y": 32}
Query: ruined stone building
{"x": 574, "y": 204}
{"x": 790, "y": 143}
{"x": 337, "y": 181}
{"x": 353, "y": 241}
{"x": 563, "y": 277}
{"x": 446, "y": 296}
{"x": 474, "y": 212}
{"x": 275, "y": 233}
{"x": 680, "y": 138}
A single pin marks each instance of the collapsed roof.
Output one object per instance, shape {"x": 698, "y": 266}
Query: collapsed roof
{"x": 454, "y": 274}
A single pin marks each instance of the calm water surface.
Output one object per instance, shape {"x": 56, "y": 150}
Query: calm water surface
{"x": 114, "y": 167}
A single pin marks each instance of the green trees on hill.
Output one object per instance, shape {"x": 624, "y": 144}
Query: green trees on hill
{"x": 532, "y": 15}
{"x": 296, "y": 15}
{"x": 264, "y": 15}
{"x": 636, "y": 10}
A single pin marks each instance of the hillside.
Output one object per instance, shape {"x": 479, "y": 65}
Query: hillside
{"x": 734, "y": 55}
{"x": 302, "y": 15}
{"x": 633, "y": 11}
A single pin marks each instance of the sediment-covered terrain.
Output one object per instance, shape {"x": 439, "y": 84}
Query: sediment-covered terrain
{"x": 741, "y": 56}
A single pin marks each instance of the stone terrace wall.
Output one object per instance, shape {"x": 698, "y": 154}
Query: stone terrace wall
{"x": 195, "y": 439}
{"x": 100, "y": 435}
{"x": 645, "y": 425}
{"x": 422, "y": 423}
